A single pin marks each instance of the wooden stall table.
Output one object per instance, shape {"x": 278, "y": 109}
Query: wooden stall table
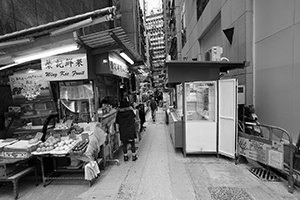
{"x": 56, "y": 173}
{"x": 11, "y": 170}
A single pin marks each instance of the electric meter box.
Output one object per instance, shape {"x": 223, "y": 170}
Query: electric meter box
{"x": 241, "y": 94}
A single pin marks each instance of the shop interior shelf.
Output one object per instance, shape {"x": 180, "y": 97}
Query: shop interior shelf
{"x": 37, "y": 115}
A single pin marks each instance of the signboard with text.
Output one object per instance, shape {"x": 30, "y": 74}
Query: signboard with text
{"x": 269, "y": 154}
{"x": 28, "y": 86}
{"x": 118, "y": 67}
{"x": 65, "y": 67}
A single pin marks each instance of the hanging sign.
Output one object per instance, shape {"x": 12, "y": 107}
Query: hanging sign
{"x": 65, "y": 67}
{"x": 117, "y": 67}
{"x": 28, "y": 86}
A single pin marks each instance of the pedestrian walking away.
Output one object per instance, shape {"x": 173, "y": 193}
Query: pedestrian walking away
{"x": 125, "y": 121}
{"x": 153, "y": 107}
{"x": 142, "y": 116}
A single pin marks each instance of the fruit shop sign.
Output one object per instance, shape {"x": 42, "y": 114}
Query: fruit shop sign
{"x": 65, "y": 67}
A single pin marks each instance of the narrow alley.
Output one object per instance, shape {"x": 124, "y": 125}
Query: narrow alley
{"x": 161, "y": 172}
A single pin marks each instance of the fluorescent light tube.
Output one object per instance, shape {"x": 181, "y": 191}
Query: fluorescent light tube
{"x": 8, "y": 66}
{"x": 124, "y": 55}
{"x": 16, "y": 42}
{"x": 46, "y": 53}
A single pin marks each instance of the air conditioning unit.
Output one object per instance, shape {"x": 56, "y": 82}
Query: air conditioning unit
{"x": 213, "y": 54}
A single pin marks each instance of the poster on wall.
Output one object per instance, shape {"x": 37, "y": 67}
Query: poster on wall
{"x": 65, "y": 67}
{"x": 268, "y": 154}
{"x": 28, "y": 86}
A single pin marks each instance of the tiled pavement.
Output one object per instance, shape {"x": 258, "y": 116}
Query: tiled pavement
{"x": 161, "y": 172}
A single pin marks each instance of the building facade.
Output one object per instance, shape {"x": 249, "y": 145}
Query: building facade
{"x": 156, "y": 33}
{"x": 19, "y": 16}
{"x": 171, "y": 30}
{"x": 132, "y": 22}
{"x": 263, "y": 33}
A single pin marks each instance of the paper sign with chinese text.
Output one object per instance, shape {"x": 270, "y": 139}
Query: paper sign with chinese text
{"x": 271, "y": 155}
{"x": 117, "y": 67}
{"x": 28, "y": 86}
{"x": 65, "y": 67}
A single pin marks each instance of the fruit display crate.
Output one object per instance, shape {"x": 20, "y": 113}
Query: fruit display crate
{"x": 19, "y": 150}
{"x": 55, "y": 149}
{"x": 61, "y": 132}
{"x": 79, "y": 148}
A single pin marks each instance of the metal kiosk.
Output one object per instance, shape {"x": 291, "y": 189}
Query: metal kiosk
{"x": 208, "y": 104}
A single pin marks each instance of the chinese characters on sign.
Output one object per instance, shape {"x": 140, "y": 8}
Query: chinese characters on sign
{"x": 118, "y": 68}
{"x": 28, "y": 86}
{"x": 65, "y": 67}
{"x": 269, "y": 154}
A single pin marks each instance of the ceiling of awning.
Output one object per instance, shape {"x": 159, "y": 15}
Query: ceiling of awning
{"x": 44, "y": 28}
{"x": 115, "y": 38}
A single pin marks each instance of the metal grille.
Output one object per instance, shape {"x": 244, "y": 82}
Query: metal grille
{"x": 264, "y": 174}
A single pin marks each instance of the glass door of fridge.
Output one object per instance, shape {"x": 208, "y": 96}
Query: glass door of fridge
{"x": 201, "y": 116}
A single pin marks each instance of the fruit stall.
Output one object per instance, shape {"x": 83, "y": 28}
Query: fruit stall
{"x": 57, "y": 125}
{"x": 82, "y": 150}
{"x": 58, "y": 121}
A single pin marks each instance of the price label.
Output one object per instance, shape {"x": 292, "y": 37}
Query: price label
{"x": 84, "y": 136}
{"x": 72, "y": 136}
{"x": 57, "y": 136}
{"x": 38, "y": 135}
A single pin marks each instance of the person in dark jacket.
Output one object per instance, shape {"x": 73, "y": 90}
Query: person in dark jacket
{"x": 142, "y": 116}
{"x": 125, "y": 120}
{"x": 153, "y": 107}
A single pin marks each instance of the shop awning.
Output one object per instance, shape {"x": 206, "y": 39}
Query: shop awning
{"x": 180, "y": 71}
{"x": 113, "y": 39}
{"x": 64, "y": 32}
{"x": 39, "y": 30}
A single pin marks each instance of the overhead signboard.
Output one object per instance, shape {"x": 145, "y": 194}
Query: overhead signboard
{"x": 117, "y": 67}
{"x": 65, "y": 67}
{"x": 110, "y": 63}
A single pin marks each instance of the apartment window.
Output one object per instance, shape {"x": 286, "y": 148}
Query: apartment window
{"x": 201, "y": 4}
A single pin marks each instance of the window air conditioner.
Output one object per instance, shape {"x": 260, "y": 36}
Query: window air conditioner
{"x": 214, "y": 53}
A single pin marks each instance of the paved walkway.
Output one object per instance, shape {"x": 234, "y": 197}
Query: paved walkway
{"x": 161, "y": 172}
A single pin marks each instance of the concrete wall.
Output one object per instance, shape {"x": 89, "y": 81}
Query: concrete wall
{"x": 208, "y": 31}
{"x": 129, "y": 20}
{"x": 16, "y": 15}
{"x": 277, "y": 63}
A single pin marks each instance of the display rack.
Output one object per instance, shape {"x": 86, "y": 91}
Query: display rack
{"x": 58, "y": 171}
